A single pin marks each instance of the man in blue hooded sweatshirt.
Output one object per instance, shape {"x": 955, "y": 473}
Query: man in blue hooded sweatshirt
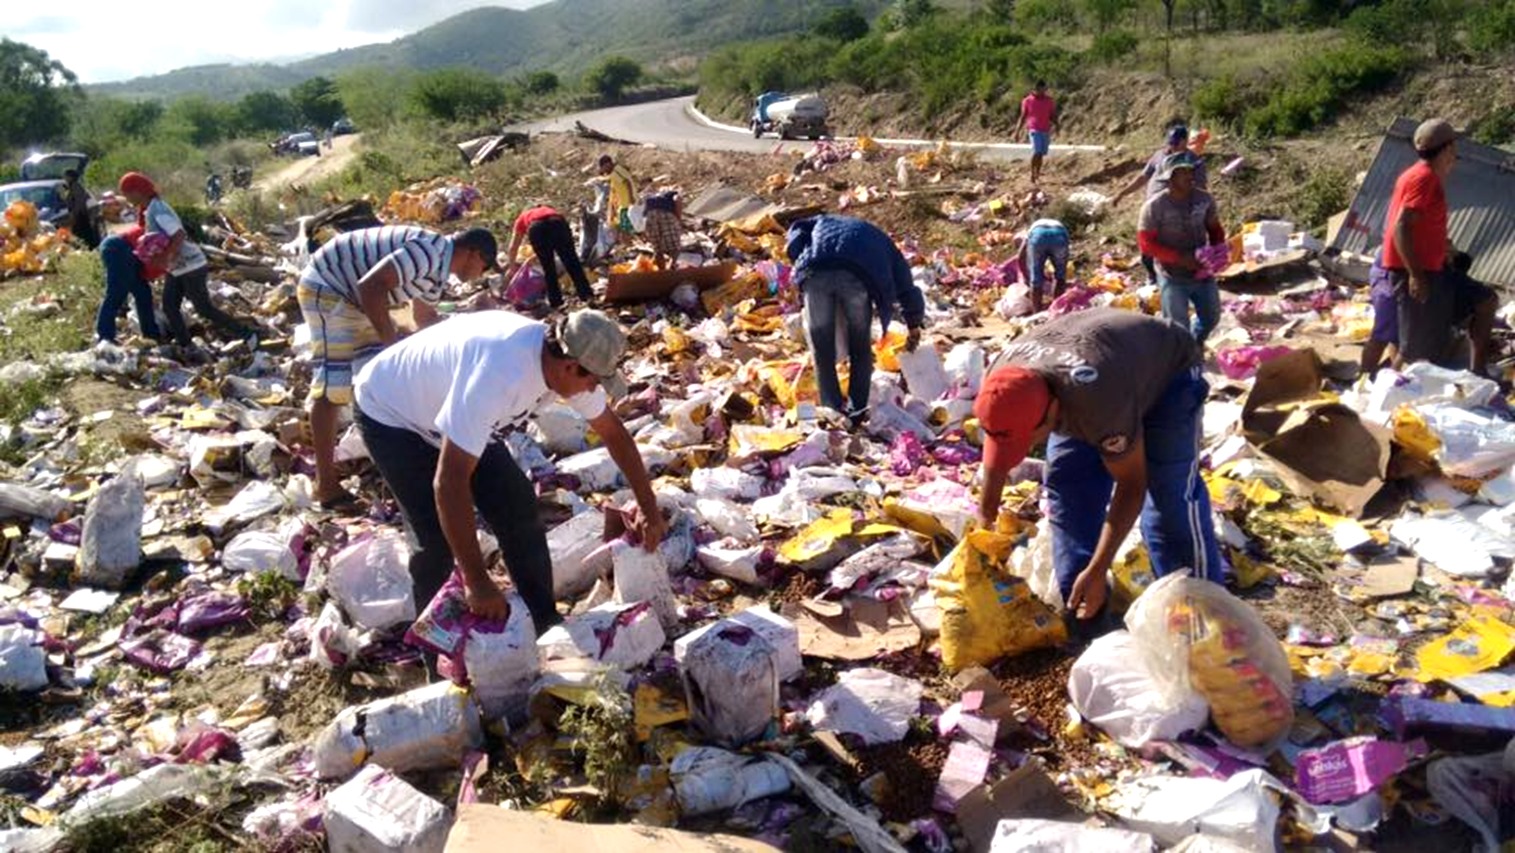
{"x": 845, "y": 268}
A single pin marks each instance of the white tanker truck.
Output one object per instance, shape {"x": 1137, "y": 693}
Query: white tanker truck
{"x": 790, "y": 116}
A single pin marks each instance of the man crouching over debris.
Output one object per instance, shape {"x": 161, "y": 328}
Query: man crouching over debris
{"x": 346, "y": 293}
{"x": 1118, "y": 397}
{"x": 429, "y": 409}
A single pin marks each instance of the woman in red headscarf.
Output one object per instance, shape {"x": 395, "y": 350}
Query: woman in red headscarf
{"x": 126, "y": 276}
{"x": 166, "y": 244}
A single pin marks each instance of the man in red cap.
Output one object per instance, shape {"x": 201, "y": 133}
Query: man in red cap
{"x": 1118, "y": 398}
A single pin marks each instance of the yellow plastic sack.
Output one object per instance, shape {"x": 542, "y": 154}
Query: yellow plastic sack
{"x": 820, "y": 536}
{"x": 988, "y": 613}
{"x": 1412, "y": 433}
{"x": 886, "y": 351}
{"x": 1479, "y": 644}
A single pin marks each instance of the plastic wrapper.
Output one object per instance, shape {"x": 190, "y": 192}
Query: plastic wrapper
{"x": 428, "y": 728}
{"x": 876, "y": 706}
{"x": 643, "y": 576}
{"x": 498, "y": 660}
{"x": 725, "y": 483}
{"x": 111, "y": 546}
{"x": 260, "y": 551}
{"x": 1054, "y": 836}
{"x": 925, "y": 376}
{"x": 966, "y": 365}
{"x": 623, "y": 636}
{"x": 730, "y": 683}
{"x": 1347, "y": 769}
{"x": 1478, "y": 790}
{"x": 560, "y": 430}
{"x": 1242, "y": 809}
{"x": 23, "y": 661}
{"x": 707, "y": 780}
{"x": 1239, "y": 363}
{"x": 730, "y": 560}
{"x": 727, "y": 519}
{"x": 1453, "y": 542}
{"x": 370, "y": 578}
{"x": 211, "y": 610}
{"x": 987, "y": 613}
{"x": 378, "y": 812}
{"x": 1016, "y": 302}
{"x": 256, "y": 499}
{"x": 1194, "y": 635}
{"x": 332, "y": 642}
{"x": 571, "y": 543}
{"x": 160, "y": 651}
{"x": 527, "y": 286}
{"x": 1112, "y": 688}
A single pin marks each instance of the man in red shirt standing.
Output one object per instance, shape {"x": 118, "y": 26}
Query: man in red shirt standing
{"x": 1415, "y": 250}
{"x": 1039, "y": 118}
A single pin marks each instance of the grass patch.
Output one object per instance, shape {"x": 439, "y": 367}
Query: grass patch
{"x": 1324, "y": 193}
{"x": 395, "y": 157}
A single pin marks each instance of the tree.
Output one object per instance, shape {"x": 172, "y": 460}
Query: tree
{"x": 541, "y": 83}
{"x": 844, "y": 24}
{"x": 318, "y": 101}
{"x": 266, "y": 111}
{"x": 201, "y": 121}
{"x": 369, "y": 95}
{"x": 35, "y": 95}
{"x": 456, "y": 94}
{"x": 611, "y": 78}
{"x": 909, "y": 13}
{"x": 1001, "y": 11}
{"x": 1105, "y": 13}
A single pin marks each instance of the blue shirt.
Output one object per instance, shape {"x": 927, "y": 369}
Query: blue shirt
{"x": 844, "y": 242}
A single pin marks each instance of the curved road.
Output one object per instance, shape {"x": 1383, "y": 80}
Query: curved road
{"x": 674, "y": 124}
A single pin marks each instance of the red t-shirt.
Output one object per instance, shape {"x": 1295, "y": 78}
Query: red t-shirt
{"x": 531, "y": 217}
{"x": 1420, "y": 190}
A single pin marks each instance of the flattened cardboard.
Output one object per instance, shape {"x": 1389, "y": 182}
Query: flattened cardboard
{"x": 1027, "y": 792}
{"x": 483, "y": 828}
{"x": 865, "y": 630}
{"x": 642, "y": 286}
{"x": 1390, "y": 576}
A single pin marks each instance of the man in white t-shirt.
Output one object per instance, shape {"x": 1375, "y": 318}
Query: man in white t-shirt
{"x": 430, "y": 408}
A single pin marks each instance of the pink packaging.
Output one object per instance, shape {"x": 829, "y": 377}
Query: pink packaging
{"x": 446, "y": 621}
{"x": 1347, "y": 769}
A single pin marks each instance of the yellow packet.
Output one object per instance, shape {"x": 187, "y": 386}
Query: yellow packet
{"x": 1478, "y": 644}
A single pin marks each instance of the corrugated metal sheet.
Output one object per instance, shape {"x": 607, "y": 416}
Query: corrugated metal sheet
{"x": 1480, "y": 195}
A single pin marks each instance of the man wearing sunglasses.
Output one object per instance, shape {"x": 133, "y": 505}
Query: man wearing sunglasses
{"x": 430, "y": 409}
{"x": 1117, "y": 396}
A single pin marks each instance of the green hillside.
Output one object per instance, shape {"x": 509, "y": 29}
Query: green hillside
{"x": 565, "y": 36}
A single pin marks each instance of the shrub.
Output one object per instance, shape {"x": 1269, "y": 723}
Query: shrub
{"x": 458, "y": 94}
{"x": 1221, "y": 100}
{"x": 1491, "y": 29}
{"x": 1113, "y": 45}
{"x": 1324, "y": 194}
{"x": 1318, "y": 85}
{"x": 1496, "y": 128}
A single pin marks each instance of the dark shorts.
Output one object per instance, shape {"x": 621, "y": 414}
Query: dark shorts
{"x": 1425, "y": 328}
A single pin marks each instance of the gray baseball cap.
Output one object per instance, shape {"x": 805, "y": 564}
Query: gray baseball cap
{"x": 597, "y": 342}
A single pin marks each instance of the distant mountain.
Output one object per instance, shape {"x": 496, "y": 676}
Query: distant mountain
{"x": 565, "y": 36}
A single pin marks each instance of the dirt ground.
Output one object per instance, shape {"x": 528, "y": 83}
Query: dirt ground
{"x": 308, "y": 170}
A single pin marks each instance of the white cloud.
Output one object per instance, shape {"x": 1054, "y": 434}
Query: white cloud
{"x": 106, "y": 40}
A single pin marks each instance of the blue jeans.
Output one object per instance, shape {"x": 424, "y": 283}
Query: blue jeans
{"x": 832, "y": 297}
{"x": 1175, "y": 519}
{"x": 1178, "y": 293}
{"x": 1043, "y": 245}
{"x": 123, "y": 278}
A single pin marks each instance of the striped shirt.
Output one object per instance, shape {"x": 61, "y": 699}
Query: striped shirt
{"x": 422, "y": 259}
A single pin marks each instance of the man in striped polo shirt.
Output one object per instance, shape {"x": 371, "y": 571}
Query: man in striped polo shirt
{"x": 346, "y": 293}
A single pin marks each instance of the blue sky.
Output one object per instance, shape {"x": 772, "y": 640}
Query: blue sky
{"x": 106, "y": 40}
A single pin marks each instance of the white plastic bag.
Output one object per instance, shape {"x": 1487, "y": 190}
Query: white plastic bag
{"x": 502, "y": 665}
{"x": 727, "y": 518}
{"x": 1112, "y": 688}
{"x": 730, "y": 683}
{"x": 1453, "y": 541}
{"x": 1054, "y": 836}
{"x": 378, "y": 812}
{"x": 429, "y": 727}
{"x": 1016, "y": 302}
{"x": 965, "y": 366}
{"x": 569, "y": 544}
{"x": 707, "y": 779}
{"x": 110, "y": 548}
{"x": 351, "y": 448}
{"x": 256, "y": 499}
{"x": 643, "y": 576}
{"x": 728, "y": 560}
{"x": 624, "y": 636}
{"x": 1478, "y": 790}
{"x": 371, "y": 580}
{"x": 23, "y": 661}
{"x": 332, "y": 643}
{"x": 1194, "y": 635}
{"x": 875, "y": 705}
{"x": 560, "y": 429}
{"x": 925, "y": 377}
{"x": 1032, "y": 563}
{"x": 261, "y": 551}
{"x": 1243, "y": 809}
{"x": 728, "y": 483}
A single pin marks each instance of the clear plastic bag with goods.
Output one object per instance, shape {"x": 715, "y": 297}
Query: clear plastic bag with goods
{"x": 986, "y": 612}
{"x": 1194, "y": 635}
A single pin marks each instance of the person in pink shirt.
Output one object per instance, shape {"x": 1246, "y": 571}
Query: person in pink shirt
{"x": 1039, "y": 118}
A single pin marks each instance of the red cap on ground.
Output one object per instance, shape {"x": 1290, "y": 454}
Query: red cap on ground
{"x": 1010, "y": 406}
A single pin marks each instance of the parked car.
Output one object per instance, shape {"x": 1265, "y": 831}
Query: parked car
{"x": 42, "y": 184}
{"x": 301, "y": 144}
{"x": 342, "y": 127}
